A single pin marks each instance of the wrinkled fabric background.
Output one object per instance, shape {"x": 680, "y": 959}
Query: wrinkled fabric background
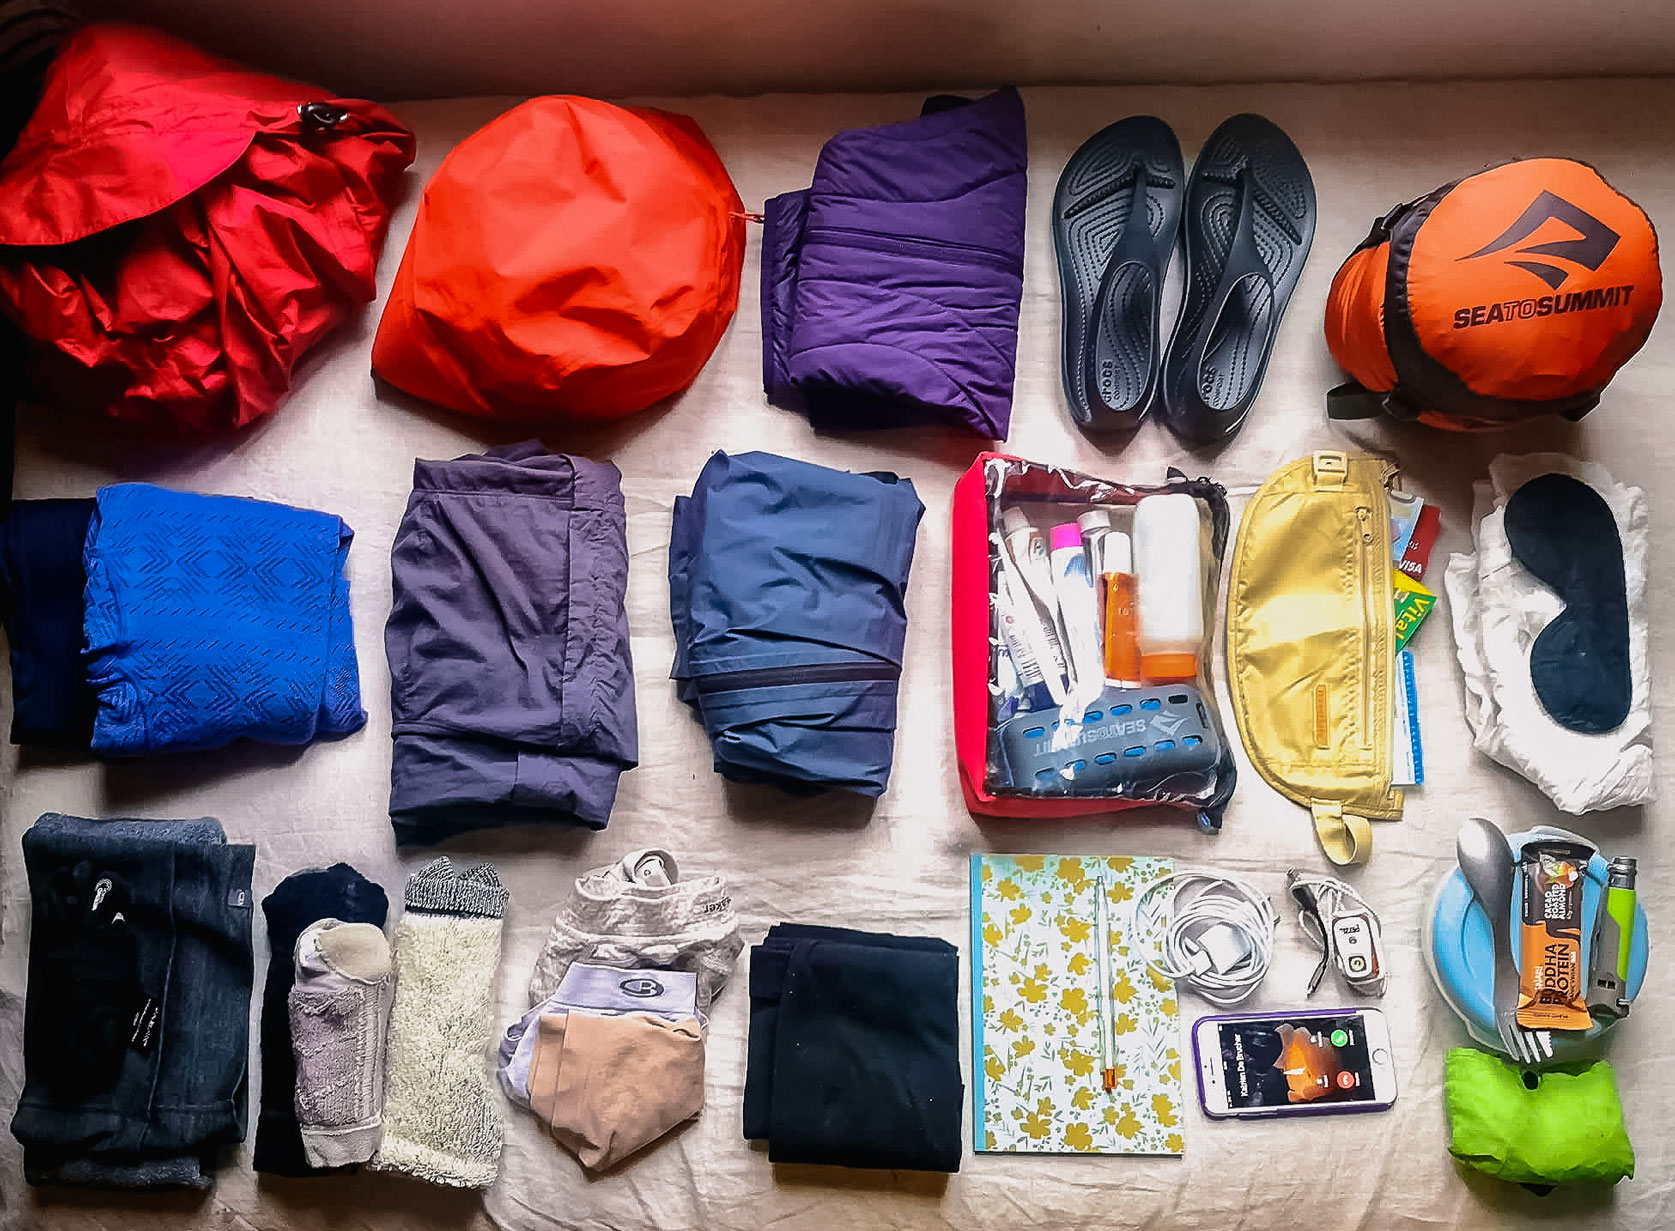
{"x": 343, "y": 446}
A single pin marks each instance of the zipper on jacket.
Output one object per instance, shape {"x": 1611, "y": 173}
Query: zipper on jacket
{"x": 809, "y": 673}
{"x": 1369, "y": 543}
{"x": 943, "y": 249}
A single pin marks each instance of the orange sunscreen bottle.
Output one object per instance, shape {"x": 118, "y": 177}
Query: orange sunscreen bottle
{"x": 1122, "y": 615}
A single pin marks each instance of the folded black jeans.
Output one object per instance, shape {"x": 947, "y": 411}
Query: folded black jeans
{"x": 137, "y": 1022}
{"x": 854, "y": 1054}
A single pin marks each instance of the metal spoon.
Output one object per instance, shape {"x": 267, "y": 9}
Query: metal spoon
{"x": 1487, "y": 864}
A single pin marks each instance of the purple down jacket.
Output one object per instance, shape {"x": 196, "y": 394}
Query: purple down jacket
{"x": 890, "y": 287}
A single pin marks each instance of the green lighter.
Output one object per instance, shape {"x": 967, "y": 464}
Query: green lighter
{"x": 1612, "y": 940}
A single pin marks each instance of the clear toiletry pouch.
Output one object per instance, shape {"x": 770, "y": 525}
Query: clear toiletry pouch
{"x": 1090, "y": 740}
{"x": 1311, "y": 644}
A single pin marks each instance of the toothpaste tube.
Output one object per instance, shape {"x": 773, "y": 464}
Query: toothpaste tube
{"x": 1029, "y": 645}
{"x": 1033, "y": 570}
{"x": 1079, "y": 616}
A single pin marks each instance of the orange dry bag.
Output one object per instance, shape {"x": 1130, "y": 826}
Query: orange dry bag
{"x": 1512, "y": 293}
{"x": 571, "y": 260}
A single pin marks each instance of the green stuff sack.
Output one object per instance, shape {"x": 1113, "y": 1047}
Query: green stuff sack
{"x": 1569, "y": 1128}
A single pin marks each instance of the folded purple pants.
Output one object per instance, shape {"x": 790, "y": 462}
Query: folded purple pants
{"x": 510, "y": 679}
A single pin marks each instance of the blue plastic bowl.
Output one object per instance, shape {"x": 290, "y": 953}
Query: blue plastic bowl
{"x": 1459, "y": 948}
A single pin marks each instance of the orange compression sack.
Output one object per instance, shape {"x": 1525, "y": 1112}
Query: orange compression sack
{"x": 1509, "y": 294}
{"x": 571, "y": 260}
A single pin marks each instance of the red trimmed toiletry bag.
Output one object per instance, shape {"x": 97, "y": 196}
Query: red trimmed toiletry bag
{"x": 1036, "y": 737}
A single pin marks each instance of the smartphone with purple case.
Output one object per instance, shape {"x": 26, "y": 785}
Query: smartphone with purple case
{"x": 1314, "y": 1062}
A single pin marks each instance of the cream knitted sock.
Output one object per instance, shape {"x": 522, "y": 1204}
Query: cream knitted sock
{"x": 340, "y": 1012}
{"x": 441, "y": 1115}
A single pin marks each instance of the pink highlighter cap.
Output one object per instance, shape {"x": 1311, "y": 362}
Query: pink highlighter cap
{"x": 1067, "y": 535}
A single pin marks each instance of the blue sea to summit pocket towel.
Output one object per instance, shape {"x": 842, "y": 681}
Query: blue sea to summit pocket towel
{"x": 787, "y": 587}
{"x": 213, "y": 618}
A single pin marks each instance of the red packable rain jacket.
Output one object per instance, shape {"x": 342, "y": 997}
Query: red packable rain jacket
{"x": 177, "y": 232}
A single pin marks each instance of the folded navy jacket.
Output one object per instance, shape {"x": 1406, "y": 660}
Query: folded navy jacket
{"x": 891, "y": 285}
{"x": 43, "y": 581}
{"x": 136, "y": 1027}
{"x": 854, "y": 1052}
{"x": 214, "y": 618}
{"x": 787, "y": 589}
{"x": 511, "y": 681}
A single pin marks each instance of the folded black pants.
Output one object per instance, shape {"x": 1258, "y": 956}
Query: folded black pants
{"x": 137, "y": 1023}
{"x": 854, "y": 1055}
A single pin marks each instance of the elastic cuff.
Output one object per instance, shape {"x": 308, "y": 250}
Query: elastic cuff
{"x": 342, "y": 1147}
{"x": 438, "y": 887}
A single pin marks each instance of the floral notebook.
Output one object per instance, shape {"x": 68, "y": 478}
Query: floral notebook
{"x": 1035, "y": 1014}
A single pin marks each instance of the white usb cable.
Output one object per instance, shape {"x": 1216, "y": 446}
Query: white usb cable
{"x": 1215, "y": 933}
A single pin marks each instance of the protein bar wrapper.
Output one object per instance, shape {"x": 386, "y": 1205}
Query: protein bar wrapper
{"x": 1551, "y": 979}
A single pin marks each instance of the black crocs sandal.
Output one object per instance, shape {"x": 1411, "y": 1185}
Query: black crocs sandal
{"x": 1249, "y": 221}
{"x": 1115, "y": 215}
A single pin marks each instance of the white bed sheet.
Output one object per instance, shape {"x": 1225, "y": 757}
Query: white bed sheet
{"x": 900, "y": 865}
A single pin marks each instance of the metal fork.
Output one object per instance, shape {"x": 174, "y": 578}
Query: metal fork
{"x": 1528, "y": 1047}
{"x": 1487, "y": 864}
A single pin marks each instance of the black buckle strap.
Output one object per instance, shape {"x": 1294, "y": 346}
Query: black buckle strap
{"x": 1352, "y": 400}
{"x": 1385, "y": 226}
{"x": 319, "y": 116}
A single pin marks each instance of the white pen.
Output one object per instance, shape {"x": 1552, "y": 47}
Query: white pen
{"x": 1107, "y": 1039}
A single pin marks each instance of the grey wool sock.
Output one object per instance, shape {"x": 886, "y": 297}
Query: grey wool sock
{"x": 441, "y": 1113}
{"x": 340, "y": 1012}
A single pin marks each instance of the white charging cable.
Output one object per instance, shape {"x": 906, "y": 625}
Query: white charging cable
{"x": 1215, "y": 933}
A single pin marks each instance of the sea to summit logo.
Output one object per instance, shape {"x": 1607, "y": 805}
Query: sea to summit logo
{"x": 1592, "y": 244}
{"x": 1169, "y": 724}
{"x": 642, "y": 988}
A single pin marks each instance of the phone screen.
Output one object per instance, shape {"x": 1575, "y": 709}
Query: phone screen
{"x": 1312, "y": 1060}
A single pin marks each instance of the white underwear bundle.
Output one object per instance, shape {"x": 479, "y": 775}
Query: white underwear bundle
{"x": 1499, "y": 608}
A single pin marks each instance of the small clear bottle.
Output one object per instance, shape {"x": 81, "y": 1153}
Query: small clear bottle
{"x": 1122, "y": 610}
{"x": 1169, "y": 565}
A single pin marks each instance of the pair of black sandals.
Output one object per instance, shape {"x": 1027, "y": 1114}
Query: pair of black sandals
{"x": 1247, "y": 216}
